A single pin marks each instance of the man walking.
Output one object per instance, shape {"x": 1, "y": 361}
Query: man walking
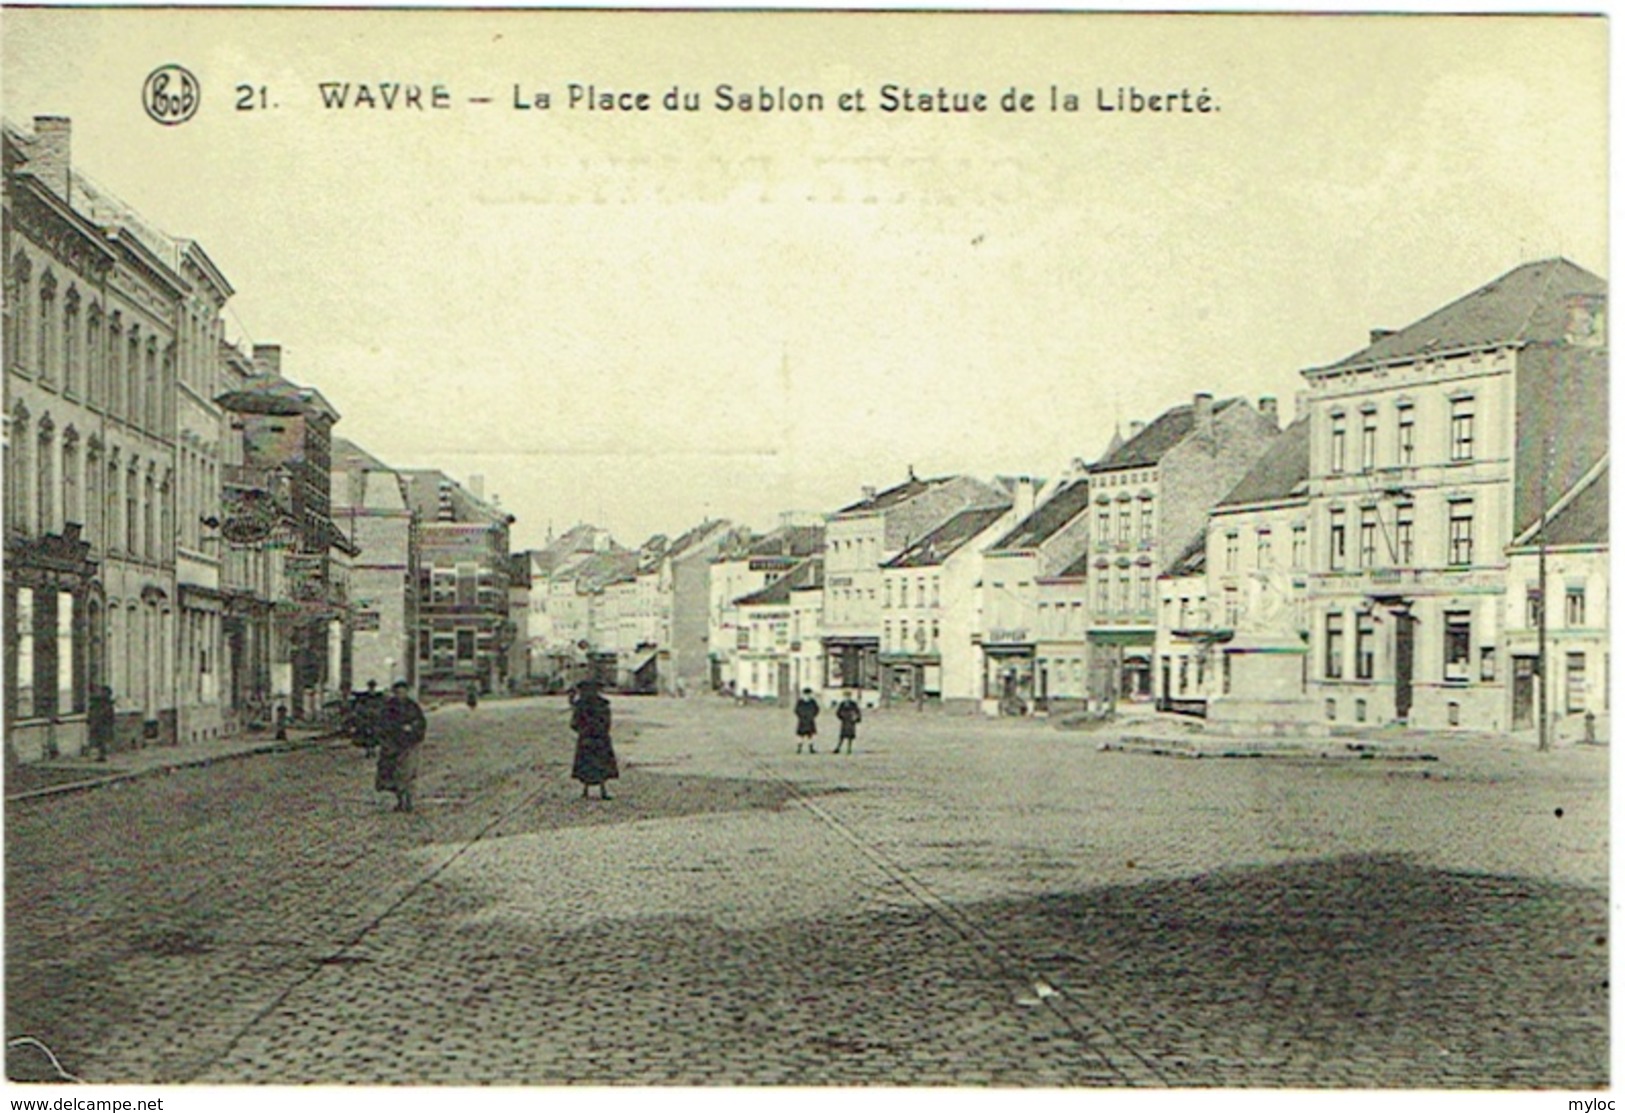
{"x": 806, "y": 720}
{"x": 367, "y": 709}
{"x": 401, "y": 727}
{"x": 850, "y": 715}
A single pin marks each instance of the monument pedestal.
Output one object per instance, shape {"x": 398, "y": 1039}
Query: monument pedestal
{"x": 1266, "y": 697}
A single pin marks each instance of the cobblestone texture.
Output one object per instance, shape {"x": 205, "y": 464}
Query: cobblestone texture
{"x": 960, "y": 902}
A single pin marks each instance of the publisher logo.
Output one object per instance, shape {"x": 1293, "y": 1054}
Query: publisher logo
{"x": 171, "y": 95}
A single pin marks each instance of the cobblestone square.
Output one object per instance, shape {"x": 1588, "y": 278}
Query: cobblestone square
{"x": 960, "y": 902}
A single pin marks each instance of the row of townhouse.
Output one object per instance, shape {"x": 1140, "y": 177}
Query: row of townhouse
{"x": 1437, "y": 517}
{"x": 1436, "y": 489}
{"x": 1399, "y": 518}
{"x": 189, "y": 550}
{"x": 172, "y": 571}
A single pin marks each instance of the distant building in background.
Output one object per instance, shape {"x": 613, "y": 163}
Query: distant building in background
{"x": 860, "y": 538}
{"x": 1151, "y": 499}
{"x": 746, "y": 564}
{"x": 928, "y": 610}
{"x": 286, "y": 477}
{"x": 776, "y": 623}
{"x": 371, "y": 509}
{"x": 463, "y": 576}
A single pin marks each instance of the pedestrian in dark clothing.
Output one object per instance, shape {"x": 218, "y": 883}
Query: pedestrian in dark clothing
{"x": 281, "y": 723}
{"x": 473, "y": 696}
{"x": 595, "y": 757}
{"x": 101, "y": 721}
{"x": 850, "y": 715}
{"x": 401, "y": 728}
{"x": 806, "y": 721}
{"x": 365, "y": 716}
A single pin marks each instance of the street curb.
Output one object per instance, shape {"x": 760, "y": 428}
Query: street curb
{"x": 167, "y": 767}
{"x": 1183, "y": 748}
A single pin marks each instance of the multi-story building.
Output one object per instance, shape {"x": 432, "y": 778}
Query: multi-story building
{"x": 778, "y": 635}
{"x": 680, "y": 582}
{"x": 928, "y": 610}
{"x": 1028, "y": 575}
{"x": 1431, "y": 450}
{"x": 749, "y": 563}
{"x": 860, "y": 538}
{"x": 1566, "y": 561}
{"x": 1151, "y": 496}
{"x": 92, "y": 303}
{"x": 1260, "y": 529}
{"x": 281, "y": 496}
{"x": 463, "y": 629}
{"x": 557, "y": 625}
{"x": 373, "y": 513}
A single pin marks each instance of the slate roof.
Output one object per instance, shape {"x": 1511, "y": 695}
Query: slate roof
{"x": 807, "y": 575}
{"x": 1280, "y": 473}
{"x": 1582, "y": 520}
{"x": 1077, "y": 570}
{"x": 948, "y": 538}
{"x": 1155, "y": 440}
{"x": 894, "y": 496}
{"x": 1048, "y": 518}
{"x": 1528, "y": 303}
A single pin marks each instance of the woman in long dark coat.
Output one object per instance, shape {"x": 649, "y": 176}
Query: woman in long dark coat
{"x": 595, "y": 758}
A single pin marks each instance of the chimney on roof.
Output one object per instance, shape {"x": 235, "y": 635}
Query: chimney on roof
{"x": 268, "y": 359}
{"x": 1267, "y": 407}
{"x": 51, "y": 157}
{"x": 1026, "y": 496}
{"x": 1202, "y": 410}
{"x": 476, "y": 486}
{"x": 1380, "y": 334}
{"x": 868, "y": 493}
{"x": 1135, "y": 428}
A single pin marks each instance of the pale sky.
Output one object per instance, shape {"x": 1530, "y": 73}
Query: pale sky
{"x": 643, "y": 319}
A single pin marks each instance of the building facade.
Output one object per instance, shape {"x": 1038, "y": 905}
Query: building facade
{"x": 928, "y": 608}
{"x": 372, "y": 511}
{"x": 463, "y": 628}
{"x": 1151, "y": 498}
{"x": 1431, "y": 450}
{"x": 860, "y": 538}
{"x": 92, "y": 303}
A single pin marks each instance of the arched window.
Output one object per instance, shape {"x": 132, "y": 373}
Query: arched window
{"x": 132, "y": 375}
{"x": 70, "y": 341}
{"x": 45, "y": 328}
{"x": 132, "y": 479}
{"x": 149, "y": 534}
{"x": 111, "y": 532}
{"x": 19, "y": 300}
{"x": 95, "y": 500}
{"x": 166, "y": 518}
{"x": 115, "y": 364}
{"x": 95, "y": 361}
{"x": 153, "y": 398}
{"x": 45, "y": 522}
{"x": 20, "y": 471}
{"x": 71, "y": 509}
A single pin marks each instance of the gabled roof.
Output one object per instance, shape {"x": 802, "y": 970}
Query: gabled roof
{"x": 942, "y": 542}
{"x": 807, "y": 575}
{"x": 1077, "y": 570}
{"x": 1048, "y": 518}
{"x": 895, "y": 496}
{"x": 794, "y": 541}
{"x": 1281, "y": 473}
{"x": 1579, "y": 518}
{"x": 1155, "y": 440}
{"x": 1193, "y": 560}
{"x": 694, "y": 538}
{"x": 598, "y": 570}
{"x": 1528, "y": 303}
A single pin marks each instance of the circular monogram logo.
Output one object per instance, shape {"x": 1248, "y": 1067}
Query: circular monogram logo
{"x": 171, "y": 95}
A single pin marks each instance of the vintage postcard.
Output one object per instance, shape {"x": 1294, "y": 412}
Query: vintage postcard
{"x": 999, "y": 552}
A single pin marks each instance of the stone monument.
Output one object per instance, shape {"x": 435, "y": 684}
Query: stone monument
{"x": 1264, "y": 667}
